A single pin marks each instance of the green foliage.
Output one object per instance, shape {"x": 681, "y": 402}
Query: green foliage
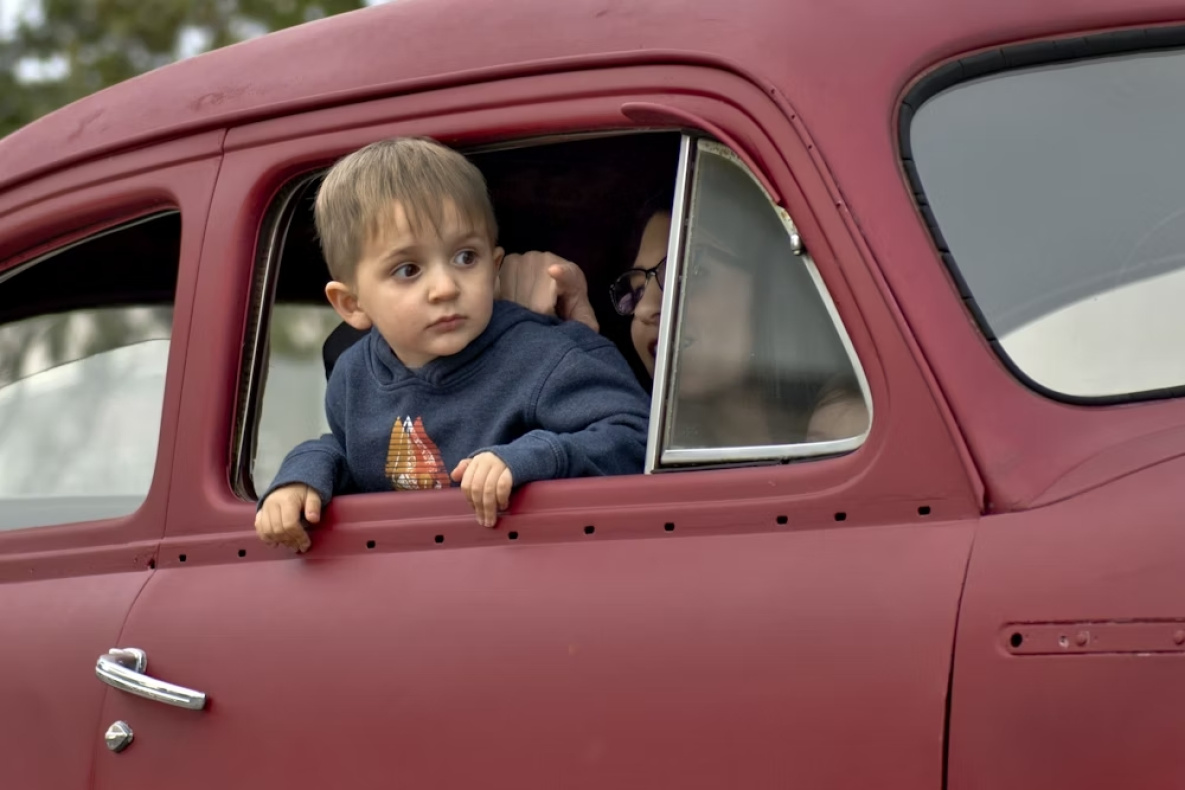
{"x": 102, "y": 42}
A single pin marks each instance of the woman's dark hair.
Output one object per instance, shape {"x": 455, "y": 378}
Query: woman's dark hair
{"x": 660, "y": 202}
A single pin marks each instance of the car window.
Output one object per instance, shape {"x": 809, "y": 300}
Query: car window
{"x": 82, "y": 375}
{"x": 1058, "y": 192}
{"x": 761, "y": 367}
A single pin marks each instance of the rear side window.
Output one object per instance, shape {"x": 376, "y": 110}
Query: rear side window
{"x": 84, "y": 346}
{"x": 1060, "y": 194}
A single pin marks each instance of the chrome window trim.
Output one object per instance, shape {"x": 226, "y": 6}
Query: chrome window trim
{"x": 658, "y": 393}
{"x": 765, "y": 452}
{"x": 674, "y": 459}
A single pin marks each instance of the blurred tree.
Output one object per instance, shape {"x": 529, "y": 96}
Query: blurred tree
{"x": 82, "y": 46}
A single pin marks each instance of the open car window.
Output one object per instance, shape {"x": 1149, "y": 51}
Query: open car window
{"x": 577, "y": 198}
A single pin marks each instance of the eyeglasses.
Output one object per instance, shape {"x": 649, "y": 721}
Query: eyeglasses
{"x": 627, "y": 290}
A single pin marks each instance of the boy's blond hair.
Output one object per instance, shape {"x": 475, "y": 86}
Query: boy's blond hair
{"x": 355, "y": 199}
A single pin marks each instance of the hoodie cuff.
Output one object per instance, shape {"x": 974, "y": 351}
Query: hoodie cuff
{"x": 533, "y": 456}
{"x": 314, "y": 469}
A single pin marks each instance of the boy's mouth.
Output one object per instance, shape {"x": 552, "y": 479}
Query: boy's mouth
{"x": 447, "y": 323}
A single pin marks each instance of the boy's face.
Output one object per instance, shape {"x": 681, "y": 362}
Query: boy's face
{"x": 429, "y": 295}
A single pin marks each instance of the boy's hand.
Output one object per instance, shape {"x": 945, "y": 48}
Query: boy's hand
{"x": 278, "y": 522}
{"x": 486, "y": 482}
{"x": 547, "y": 284}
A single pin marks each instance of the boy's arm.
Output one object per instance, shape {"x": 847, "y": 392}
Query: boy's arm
{"x": 593, "y": 417}
{"x": 305, "y": 482}
{"x": 318, "y": 463}
{"x": 307, "y": 479}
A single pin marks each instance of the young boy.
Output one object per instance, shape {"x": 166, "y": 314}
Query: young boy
{"x": 449, "y": 386}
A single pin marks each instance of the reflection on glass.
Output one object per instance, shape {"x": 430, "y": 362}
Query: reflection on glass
{"x": 80, "y": 403}
{"x": 1058, "y": 191}
{"x": 758, "y": 360}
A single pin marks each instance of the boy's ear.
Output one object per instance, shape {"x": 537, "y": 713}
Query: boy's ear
{"x": 499, "y": 254}
{"x": 342, "y": 297}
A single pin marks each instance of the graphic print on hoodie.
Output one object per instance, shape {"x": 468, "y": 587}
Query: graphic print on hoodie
{"x": 414, "y": 462}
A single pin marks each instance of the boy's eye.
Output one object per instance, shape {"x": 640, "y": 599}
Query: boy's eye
{"x": 465, "y": 258}
{"x": 405, "y": 271}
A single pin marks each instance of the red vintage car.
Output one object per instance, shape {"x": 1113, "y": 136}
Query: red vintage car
{"x": 967, "y": 209}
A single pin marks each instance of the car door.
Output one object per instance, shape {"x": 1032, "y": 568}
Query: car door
{"x": 97, "y": 266}
{"x": 730, "y": 619}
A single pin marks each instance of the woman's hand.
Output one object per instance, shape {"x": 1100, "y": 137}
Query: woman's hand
{"x": 547, "y": 284}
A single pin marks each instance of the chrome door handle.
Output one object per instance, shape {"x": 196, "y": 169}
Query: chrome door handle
{"x": 123, "y": 668}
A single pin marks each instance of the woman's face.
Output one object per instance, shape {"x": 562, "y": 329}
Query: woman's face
{"x": 644, "y": 328}
{"x": 717, "y": 335}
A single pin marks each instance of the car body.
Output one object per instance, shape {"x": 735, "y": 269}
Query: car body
{"x": 983, "y": 589}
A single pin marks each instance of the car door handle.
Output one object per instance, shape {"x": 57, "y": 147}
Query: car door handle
{"x": 123, "y": 668}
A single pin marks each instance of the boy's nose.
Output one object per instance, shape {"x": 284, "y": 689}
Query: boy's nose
{"x": 442, "y": 286}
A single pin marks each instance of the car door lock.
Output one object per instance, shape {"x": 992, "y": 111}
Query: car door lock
{"x": 119, "y": 736}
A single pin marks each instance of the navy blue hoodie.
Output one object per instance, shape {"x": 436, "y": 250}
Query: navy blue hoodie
{"x": 551, "y": 399}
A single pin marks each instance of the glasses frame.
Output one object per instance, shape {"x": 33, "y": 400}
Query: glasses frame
{"x": 640, "y": 291}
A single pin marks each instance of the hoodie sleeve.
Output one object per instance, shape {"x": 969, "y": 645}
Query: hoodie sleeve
{"x": 320, "y": 463}
{"x": 593, "y": 418}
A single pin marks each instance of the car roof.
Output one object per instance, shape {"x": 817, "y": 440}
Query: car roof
{"x": 811, "y": 51}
